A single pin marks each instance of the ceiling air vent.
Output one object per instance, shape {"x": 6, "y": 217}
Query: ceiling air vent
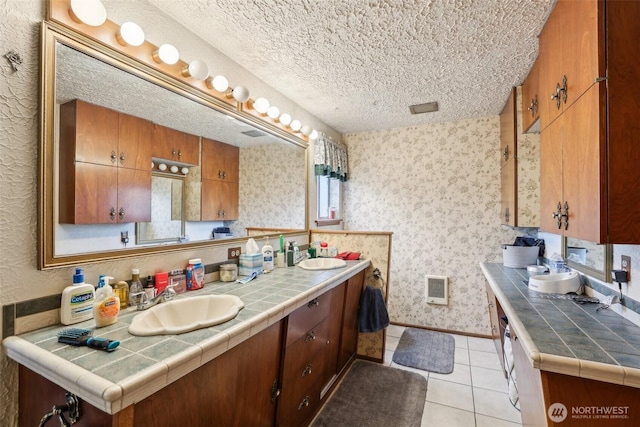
{"x": 429, "y": 107}
{"x": 253, "y": 133}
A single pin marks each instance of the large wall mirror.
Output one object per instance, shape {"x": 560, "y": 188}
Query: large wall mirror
{"x": 272, "y": 166}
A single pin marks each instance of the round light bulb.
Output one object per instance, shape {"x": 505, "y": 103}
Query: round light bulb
{"x": 220, "y": 83}
{"x": 313, "y": 135}
{"x": 196, "y": 69}
{"x": 261, "y": 105}
{"x": 90, "y": 12}
{"x": 285, "y": 119}
{"x": 273, "y": 112}
{"x": 184, "y": 170}
{"x": 166, "y": 53}
{"x": 240, "y": 94}
{"x": 162, "y": 167}
{"x": 305, "y": 130}
{"x": 296, "y": 125}
{"x": 174, "y": 169}
{"x": 131, "y": 34}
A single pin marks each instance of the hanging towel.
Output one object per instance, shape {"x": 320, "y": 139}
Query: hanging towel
{"x": 372, "y": 315}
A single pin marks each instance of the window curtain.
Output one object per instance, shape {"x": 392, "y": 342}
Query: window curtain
{"x": 330, "y": 158}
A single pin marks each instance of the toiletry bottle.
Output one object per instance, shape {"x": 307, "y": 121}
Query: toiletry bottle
{"x": 121, "y": 289}
{"x": 135, "y": 287}
{"x": 106, "y": 306}
{"x": 195, "y": 274}
{"x": 267, "y": 256}
{"x": 77, "y": 300}
{"x": 149, "y": 287}
{"x": 290, "y": 258}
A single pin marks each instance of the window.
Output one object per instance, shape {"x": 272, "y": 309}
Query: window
{"x": 329, "y": 197}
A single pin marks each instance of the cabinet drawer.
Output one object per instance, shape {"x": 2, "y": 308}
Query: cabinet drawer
{"x": 303, "y": 354}
{"x": 297, "y": 407}
{"x": 304, "y": 318}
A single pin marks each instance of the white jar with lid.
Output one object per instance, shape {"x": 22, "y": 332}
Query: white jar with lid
{"x": 228, "y": 272}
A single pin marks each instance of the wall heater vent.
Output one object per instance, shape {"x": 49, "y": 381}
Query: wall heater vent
{"x": 437, "y": 289}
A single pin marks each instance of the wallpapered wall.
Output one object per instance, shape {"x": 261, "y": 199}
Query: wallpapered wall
{"x": 437, "y": 188}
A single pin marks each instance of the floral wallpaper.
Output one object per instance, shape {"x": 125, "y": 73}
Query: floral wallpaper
{"x": 437, "y": 188}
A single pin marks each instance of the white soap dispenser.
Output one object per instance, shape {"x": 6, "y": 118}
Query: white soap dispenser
{"x": 107, "y": 305}
{"x": 77, "y": 300}
{"x": 267, "y": 257}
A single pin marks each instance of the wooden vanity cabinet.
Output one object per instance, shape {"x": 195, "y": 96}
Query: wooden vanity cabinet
{"x": 175, "y": 146}
{"x": 220, "y": 181}
{"x": 105, "y": 159}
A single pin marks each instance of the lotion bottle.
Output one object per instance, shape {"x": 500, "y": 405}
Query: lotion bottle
{"x": 267, "y": 257}
{"x": 77, "y": 300}
{"x": 106, "y": 306}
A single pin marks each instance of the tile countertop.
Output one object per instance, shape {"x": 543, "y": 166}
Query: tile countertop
{"x": 565, "y": 337}
{"x": 140, "y": 366}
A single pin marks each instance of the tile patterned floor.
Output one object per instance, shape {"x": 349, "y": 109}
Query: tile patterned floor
{"x": 474, "y": 394}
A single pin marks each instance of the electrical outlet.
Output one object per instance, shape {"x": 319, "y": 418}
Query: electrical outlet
{"x": 233, "y": 253}
{"x": 124, "y": 237}
{"x": 625, "y": 264}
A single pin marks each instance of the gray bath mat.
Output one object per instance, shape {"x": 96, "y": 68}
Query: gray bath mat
{"x": 372, "y": 395}
{"x": 427, "y": 350}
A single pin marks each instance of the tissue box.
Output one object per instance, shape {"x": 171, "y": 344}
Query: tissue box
{"x": 249, "y": 264}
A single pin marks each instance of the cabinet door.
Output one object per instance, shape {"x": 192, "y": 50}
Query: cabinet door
{"x": 134, "y": 195}
{"x": 219, "y": 200}
{"x": 529, "y": 384}
{"x": 530, "y": 110}
{"x": 508, "y": 187}
{"x": 335, "y": 330}
{"x": 550, "y": 58}
{"x": 220, "y": 161}
{"x": 508, "y": 129}
{"x": 88, "y": 194}
{"x": 88, "y": 133}
{"x": 508, "y": 196}
{"x": 584, "y": 167}
{"x": 173, "y": 145}
{"x": 349, "y": 341}
{"x": 550, "y": 176}
{"x": 134, "y": 143}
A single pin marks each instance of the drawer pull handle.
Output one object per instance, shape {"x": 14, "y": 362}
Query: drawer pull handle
{"x": 313, "y": 303}
{"x": 304, "y": 403}
{"x": 310, "y": 336}
{"x": 307, "y": 370}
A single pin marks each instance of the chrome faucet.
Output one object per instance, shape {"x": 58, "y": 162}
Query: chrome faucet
{"x": 144, "y": 302}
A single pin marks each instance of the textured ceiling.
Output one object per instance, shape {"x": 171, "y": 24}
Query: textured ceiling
{"x": 358, "y": 64}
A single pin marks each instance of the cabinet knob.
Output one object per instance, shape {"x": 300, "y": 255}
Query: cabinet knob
{"x": 114, "y": 157}
{"x": 533, "y": 107}
{"x": 561, "y": 93}
{"x": 313, "y": 303}
{"x": 173, "y": 152}
{"x": 307, "y": 370}
{"x": 219, "y": 174}
{"x": 310, "y": 336}
{"x": 121, "y": 213}
{"x": 304, "y": 403}
{"x": 506, "y": 215}
{"x": 179, "y": 153}
{"x": 112, "y": 214}
{"x": 122, "y": 158}
{"x": 491, "y": 304}
{"x": 561, "y": 214}
{"x": 505, "y": 153}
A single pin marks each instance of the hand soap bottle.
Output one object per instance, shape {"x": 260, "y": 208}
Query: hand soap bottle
{"x": 107, "y": 305}
{"x": 267, "y": 257}
{"x": 77, "y": 300}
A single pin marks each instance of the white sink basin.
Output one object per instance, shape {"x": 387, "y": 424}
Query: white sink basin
{"x": 184, "y": 315}
{"x": 322, "y": 263}
{"x": 561, "y": 283}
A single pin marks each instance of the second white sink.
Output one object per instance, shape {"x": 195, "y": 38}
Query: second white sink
{"x": 187, "y": 314}
{"x": 561, "y": 283}
{"x": 322, "y": 263}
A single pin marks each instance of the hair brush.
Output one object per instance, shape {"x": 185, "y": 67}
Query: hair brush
{"x": 83, "y": 337}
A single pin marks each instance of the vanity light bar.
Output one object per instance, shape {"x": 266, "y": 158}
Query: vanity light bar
{"x": 76, "y": 13}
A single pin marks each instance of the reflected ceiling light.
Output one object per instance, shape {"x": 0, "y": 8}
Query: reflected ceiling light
{"x": 131, "y": 34}
{"x": 184, "y": 170}
{"x": 174, "y": 169}
{"x": 285, "y": 119}
{"x": 162, "y": 167}
{"x": 261, "y": 105}
{"x": 196, "y": 69}
{"x": 166, "y": 53}
{"x": 219, "y": 83}
{"x": 305, "y": 130}
{"x": 90, "y": 12}
{"x": 240, "y": 94}
{"x": 296, "y": 125}
{"x": 273, "y": 112}
{"x": 313, "y": 135}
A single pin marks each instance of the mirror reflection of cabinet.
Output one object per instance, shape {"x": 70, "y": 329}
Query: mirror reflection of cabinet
{"x": 104, "y": 167}
{"x": 175, "y": 146}
{"x": 220, "y": 181}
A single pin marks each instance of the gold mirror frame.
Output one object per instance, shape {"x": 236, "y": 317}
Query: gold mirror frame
{"x": 52, "y": 33}
{"x": 604, "y": 276}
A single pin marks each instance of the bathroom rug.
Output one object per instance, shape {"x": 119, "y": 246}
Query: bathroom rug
{"x": 427, "y": 350}
{"x": 373, "y": 395}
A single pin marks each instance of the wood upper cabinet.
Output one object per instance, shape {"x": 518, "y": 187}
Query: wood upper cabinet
{"x": 570, "y": 47}
{"x": 220, "y": 161}
{"x": 105, "y": 166}
{"x": 220, "y": 181}
{"x": 598, "y": 170}
{"x": 508, "y": 162}
{"x": 176, "y": 146}
{"x": 530, "y": 99}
